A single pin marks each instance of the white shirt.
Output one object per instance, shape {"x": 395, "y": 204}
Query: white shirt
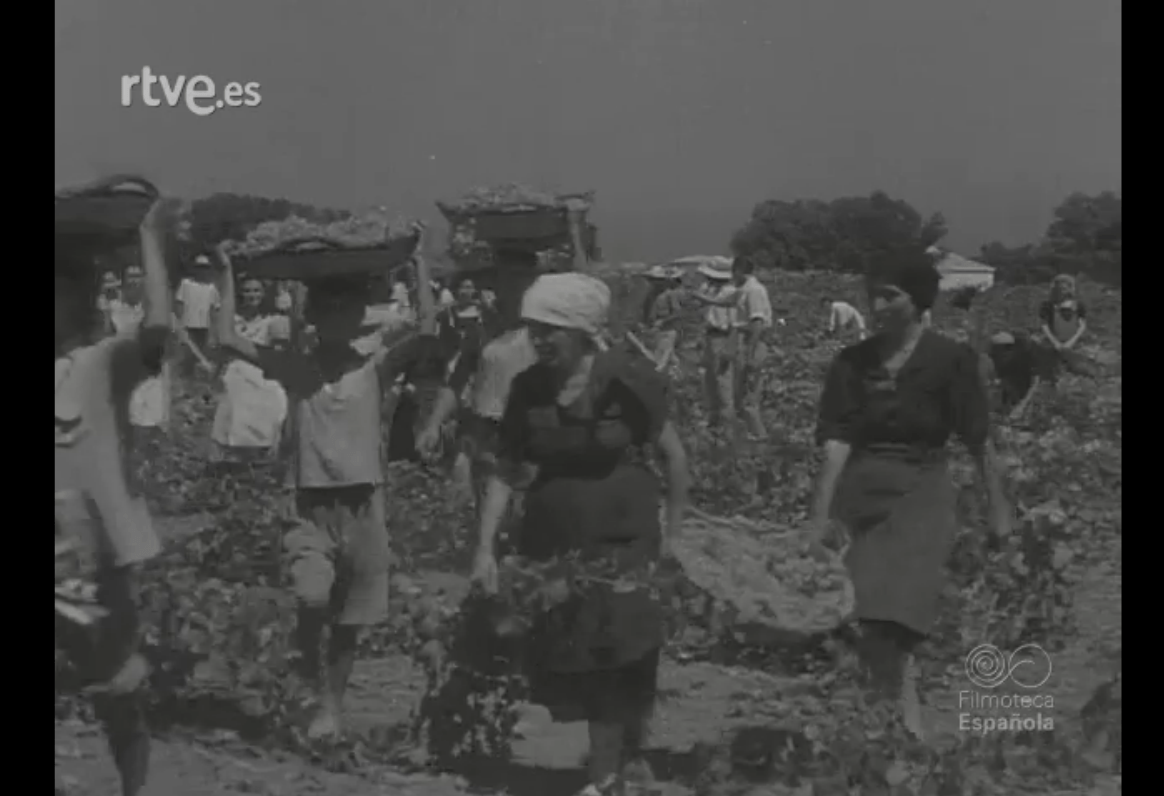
{"x": 198, "y": 301}
{"x": 842, "y": 315}
{"x": 283, "y": 301}
{"x": 501, "y": 360}
{"x": 339, "y": 431}
{"x": 124, "y": 318}
{"x": 263, "y": 329}
{"x": 720, "y": 318}
{"x": 754, "y": 304}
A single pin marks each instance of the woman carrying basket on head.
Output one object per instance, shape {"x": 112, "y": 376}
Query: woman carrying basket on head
{"x": 889, "y": 405}
{"x": 104, "y": 532}
{"x": 252, "y": 408}
{"x": 584, "y": 416}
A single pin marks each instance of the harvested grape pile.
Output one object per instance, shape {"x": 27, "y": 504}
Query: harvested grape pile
{"x": 360, "y": 229}
{"x": 751, "y": 574}
{"x": 511, "y": 197}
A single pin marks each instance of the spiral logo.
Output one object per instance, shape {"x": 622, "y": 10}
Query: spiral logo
{"x": 1029, "y": 666}
{"x": 987, "y": 666}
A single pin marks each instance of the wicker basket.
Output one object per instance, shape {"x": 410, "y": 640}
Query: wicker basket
{"x": 514, "y": 222}
{"x": 748, "y": 570}
{"x": 521, "y": 225}
{"x": 106, "y": 213}
{"x": 306, "y": 259}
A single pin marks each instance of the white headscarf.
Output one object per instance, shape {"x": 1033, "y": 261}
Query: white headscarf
{"x": 570, "y": 300}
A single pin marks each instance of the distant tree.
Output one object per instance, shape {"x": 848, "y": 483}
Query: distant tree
{"x": 1085, "y": 237}
{"x": 1016, "y": 265}
{"x": 229, "y": 216}
{"x": 1085, "y": 224}
{"x": 840, "y": 235}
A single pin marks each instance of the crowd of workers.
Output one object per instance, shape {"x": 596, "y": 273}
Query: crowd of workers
{"x": 548, "y": 407}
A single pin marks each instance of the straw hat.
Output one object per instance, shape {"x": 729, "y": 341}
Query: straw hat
{"x": 716, "y": 271}
{"x": 664, "y": 272}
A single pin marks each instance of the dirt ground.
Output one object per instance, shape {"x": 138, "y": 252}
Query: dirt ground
{"x": 698, "y": 707}
{"x": 702, "y": 701}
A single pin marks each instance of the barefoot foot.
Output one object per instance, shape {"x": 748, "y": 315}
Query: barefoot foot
{"x": 325, "y": 726}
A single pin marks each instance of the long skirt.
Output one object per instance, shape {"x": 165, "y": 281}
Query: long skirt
{"x": 597, "y": 656}
{"x": 902, "y": 519}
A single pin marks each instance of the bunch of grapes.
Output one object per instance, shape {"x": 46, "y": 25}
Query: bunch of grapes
{"x": 472, "y": 652}
{"x": 511, "y": 197}
{"x": 369, "y": 228}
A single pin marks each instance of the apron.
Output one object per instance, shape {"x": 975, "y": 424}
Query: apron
{"x": 900, "y": 512}
{"x": 253, "y": 408}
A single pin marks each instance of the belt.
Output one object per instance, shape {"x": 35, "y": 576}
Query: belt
{"x": 911, "y": 454}
{"x": 714, "y": 332}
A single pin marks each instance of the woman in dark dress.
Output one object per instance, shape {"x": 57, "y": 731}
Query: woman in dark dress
{"x": 586, "y": 417}
{"x": 1064, "y": 322}
{"x": 889, "y": 406}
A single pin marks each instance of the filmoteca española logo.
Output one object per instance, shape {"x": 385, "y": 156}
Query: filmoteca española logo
{"x": 1028, "y": 666}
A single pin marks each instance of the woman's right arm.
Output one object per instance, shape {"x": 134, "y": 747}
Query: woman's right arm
{"x": 839, "y": 408}
{"x": 836, "y": 456}
{"x": 497, "y": 493}
{"x": 228, "y": 337}
{"x": 499, "y": 487}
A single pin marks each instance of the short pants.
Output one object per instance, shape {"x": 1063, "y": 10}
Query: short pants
{"x": 338, "y": 554}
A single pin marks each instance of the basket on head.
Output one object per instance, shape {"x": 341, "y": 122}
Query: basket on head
{"x": 105, "y": 214}
{"x": 102, "y": 220}
{"x": 313, "y": 258}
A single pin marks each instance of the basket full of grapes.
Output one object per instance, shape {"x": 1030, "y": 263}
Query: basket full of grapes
{"x": 761, "y": 579}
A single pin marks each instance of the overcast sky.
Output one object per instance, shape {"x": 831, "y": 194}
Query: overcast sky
{"x": 681, "y": 114}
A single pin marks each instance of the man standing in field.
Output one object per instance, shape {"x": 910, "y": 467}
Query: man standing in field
{"x": 195, "y": 304}
{"x": 844, "y": 318}
{"x": 719, "y": 295}
{"x": 753, "y": 322}
{"x": 665, "y": 313}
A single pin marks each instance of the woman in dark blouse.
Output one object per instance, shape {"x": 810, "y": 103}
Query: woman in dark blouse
{"x": 586, "y": 419}
{"x": 1064, "y": 322}
{"x": 889, "y": 406}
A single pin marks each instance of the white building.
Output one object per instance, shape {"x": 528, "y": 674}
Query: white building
{"x": 959, "y": 272}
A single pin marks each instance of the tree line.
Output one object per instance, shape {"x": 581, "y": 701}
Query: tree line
{"x": 845, "y": 234}
{"x": 1085, "y": 236}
